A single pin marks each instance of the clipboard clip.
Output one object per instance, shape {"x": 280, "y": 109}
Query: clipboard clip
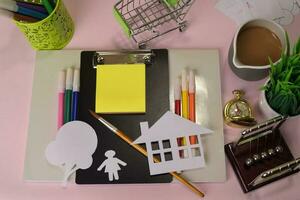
{"x": 122, "y": 57}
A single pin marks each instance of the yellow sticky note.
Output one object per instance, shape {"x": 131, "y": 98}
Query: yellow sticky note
{"x": 121, "y": 88}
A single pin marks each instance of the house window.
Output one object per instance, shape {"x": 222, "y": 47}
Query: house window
{"x": 166, "y": 144}
{"x": 181, "y": 141}
{"x": 168, "y": 156}
{"x": 196, "y": 152}
{"x": 193, "y": 139}
{"x": 183, "y": 153}
{"x": 156, "y": 158}
{"x": 154, "y": 145}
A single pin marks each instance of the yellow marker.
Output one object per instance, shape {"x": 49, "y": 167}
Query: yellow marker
{"x": 184, "y": 99}
{"x": 184, "y": 95}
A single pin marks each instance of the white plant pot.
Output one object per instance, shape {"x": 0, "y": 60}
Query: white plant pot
{"x": 265, "y": 108}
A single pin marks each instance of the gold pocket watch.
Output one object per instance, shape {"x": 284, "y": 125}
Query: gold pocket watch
{"x": 238, "y": 112}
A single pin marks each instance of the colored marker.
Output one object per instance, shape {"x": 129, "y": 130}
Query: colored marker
{"x": 61, "y": 93}
{"x": 24, "y": 18}
{"x": 31, "y": 6}
{"x": 184, "y": 95}
{"x": 192, "y": 114}
{"x": 184, "y": 100}
{"x": 68, "y": 95}
{"x": 12, "y": 6}
{"x": 48, "y": 6}
{"x": 75, "y": 95}
{"x": 177, "y": 101}
{"x": 177, "y": 97}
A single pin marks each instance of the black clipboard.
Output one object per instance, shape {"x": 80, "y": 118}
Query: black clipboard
{"x": 157, "y": 103}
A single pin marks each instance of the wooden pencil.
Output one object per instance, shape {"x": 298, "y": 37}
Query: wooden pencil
{"x": 140, "y": 149}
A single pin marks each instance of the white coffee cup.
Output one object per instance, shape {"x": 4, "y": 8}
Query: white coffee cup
{"x": 272, "y": 26}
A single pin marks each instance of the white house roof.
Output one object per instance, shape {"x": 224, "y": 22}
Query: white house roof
{"x": 168, "y": 126}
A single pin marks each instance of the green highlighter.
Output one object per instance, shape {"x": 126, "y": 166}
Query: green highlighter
{"x": 68, "y": 95}
{"x": 48, "y": 6}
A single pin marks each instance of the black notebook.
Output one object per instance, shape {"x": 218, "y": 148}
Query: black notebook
{"x": 157, "y": 103}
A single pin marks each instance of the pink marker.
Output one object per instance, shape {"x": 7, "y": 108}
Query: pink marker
{"x": 61, "y": 94}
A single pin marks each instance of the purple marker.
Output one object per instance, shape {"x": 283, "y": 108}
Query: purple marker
{"x": 75, "y": 95}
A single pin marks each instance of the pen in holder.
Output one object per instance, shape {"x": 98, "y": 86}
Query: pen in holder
{"x": 53, "y": 32}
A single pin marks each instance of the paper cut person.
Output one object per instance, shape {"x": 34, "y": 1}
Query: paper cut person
{"x": 111, "y": 165}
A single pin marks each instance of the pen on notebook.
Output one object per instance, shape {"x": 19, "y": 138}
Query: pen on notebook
{"x": 68, "y": 95}
{"x": 61, "y": 93}
{"x": 144, "y": 152}
{"x": 75, "y": 95}
{"x": 12, "y": 6}
{"x": 184, "y": 95}
{"x": 48, "y": 6}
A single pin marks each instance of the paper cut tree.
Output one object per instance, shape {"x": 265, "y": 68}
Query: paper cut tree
{"x": 73, "y": 148}
{"x": 111, "y": 165}
{"x": 175, "y": 142}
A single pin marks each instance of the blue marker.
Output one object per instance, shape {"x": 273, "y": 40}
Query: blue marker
{"x": 12, "y": 6}
{"x": 75, "y": 95}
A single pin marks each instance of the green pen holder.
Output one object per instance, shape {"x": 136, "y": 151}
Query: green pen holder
{"x": 53, "y": 32}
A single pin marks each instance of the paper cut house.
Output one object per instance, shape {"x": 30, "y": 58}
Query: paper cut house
{"x": 175, "y": 142}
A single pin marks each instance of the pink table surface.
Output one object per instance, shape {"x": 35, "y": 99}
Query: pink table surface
{"x": 97, "y": 29}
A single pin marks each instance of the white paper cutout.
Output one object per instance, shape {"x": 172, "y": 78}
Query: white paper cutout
{"x": 111, "y": 165}
{"x": 73, "y": 148}
{"x": 161, "y": 143}
{"x": 281, "y": 11}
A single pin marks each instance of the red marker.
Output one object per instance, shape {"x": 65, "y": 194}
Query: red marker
{"x": 177, "y": 101}
{"x": 177, "y": 97}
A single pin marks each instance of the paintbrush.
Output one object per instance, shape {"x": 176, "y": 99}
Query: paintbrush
{"x": 140, "y": 149}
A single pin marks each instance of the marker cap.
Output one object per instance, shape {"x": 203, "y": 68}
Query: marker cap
{"x": 62, "y": 81}
{"x": 76, "y": 80}
{"x": 191, "y": 81}
{"x": 69, "y": 78}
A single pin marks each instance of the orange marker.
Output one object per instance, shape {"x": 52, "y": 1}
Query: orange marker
{"x": 192, "y": 112}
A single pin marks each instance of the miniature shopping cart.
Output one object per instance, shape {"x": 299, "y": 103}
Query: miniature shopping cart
{"x": 144, "y": 20}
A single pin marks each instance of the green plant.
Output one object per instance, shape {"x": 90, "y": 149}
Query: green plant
{"x": 283, "y": 89}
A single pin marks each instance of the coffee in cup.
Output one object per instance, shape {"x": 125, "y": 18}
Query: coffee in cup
{"x": 256, "y": 44}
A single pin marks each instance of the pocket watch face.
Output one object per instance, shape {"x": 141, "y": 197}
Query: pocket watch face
{"x": 239, "y": 109}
